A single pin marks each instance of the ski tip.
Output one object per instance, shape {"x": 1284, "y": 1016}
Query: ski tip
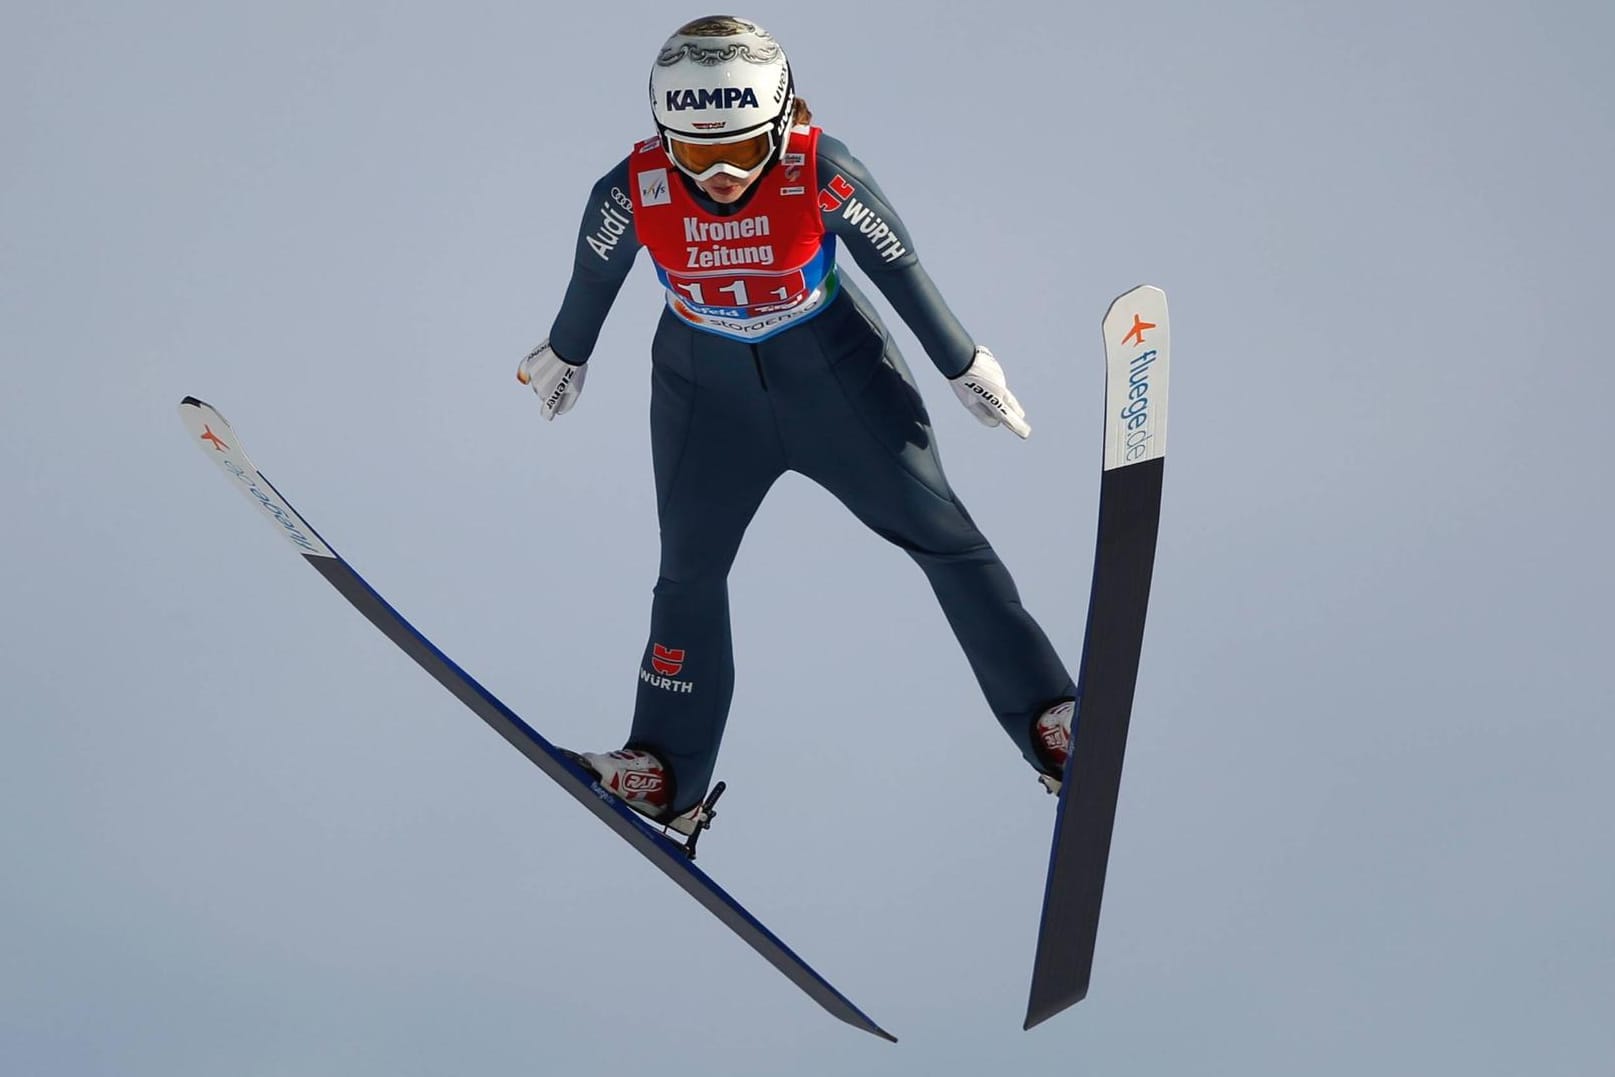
{"x": 199, "y": 415}
{"x": 1137, "y": 295}
{"x": 1137, "y": 363}
{"x": 191, "y": 405}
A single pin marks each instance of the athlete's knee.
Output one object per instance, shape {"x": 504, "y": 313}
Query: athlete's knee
{"x": 938, "y": 537}
{"x": 696, "y": 563}
{"x": 971, "y": 558}
{"x": 692, "y": 585}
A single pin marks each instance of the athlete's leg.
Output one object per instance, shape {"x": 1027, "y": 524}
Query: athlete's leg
{"x": 876, "y": 454}
{"x": 715, "y": 453}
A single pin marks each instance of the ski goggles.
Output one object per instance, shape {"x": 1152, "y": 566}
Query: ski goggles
{"x": 738, "y": 158}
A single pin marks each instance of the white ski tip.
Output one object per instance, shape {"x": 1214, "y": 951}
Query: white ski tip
{"x": 1137, "y": 362}
{"x": 213, "y": 435}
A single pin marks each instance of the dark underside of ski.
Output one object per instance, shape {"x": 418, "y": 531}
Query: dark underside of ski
{"x": 1129, "y": 517}
{"x": 215, "y": 437}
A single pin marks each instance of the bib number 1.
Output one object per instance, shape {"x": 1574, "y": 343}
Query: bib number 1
{"x": 740, "y": 291}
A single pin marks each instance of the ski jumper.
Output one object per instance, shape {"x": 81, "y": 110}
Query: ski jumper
{"x": 767, "y": 360}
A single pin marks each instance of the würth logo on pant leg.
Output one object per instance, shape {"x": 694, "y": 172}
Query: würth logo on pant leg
{"x": 668, "y": 663}
{"x": 666, "y": 660}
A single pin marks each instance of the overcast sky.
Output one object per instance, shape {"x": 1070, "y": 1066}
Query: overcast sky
{"x": 1366, "y": 819}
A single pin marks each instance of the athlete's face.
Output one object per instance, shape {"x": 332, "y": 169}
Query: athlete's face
{"x": 724, "y": 189}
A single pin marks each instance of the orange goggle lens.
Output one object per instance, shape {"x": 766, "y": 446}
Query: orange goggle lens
{"x": 746, "y": 155}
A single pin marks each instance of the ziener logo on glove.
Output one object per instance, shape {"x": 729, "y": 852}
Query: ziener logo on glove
{"x": 986, "y": 394}
{"x": 561, "y": 386}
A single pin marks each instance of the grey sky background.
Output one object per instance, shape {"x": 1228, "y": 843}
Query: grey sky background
{"x": 1365, "y": 824}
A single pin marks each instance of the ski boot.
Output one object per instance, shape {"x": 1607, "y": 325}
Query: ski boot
{"x": 1052, "y": 735}
{"x": 639, "y": 779}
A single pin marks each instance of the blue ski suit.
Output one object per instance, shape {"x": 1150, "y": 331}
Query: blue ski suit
{"x": 815, "y": 385}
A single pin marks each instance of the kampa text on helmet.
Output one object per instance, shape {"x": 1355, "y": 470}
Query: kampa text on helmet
{"x": 713, "y": 97}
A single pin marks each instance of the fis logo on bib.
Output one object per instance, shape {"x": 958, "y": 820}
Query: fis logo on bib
{"x": 653, "y": 189}
{"x": 719, "y": 97}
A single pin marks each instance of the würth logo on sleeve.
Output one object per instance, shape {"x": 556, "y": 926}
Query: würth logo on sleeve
{"x": 838, "y": 195}
{"x": 666, "y": 660}
{"x": 834, "y": 193}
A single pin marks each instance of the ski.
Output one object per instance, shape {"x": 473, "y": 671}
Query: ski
{"x": 215, "y": 437}
{"x": 1136, "y": 368}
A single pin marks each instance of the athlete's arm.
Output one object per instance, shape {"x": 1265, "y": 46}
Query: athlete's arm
{"x": 859, "y": 213}
{"x": 606, "y": 248}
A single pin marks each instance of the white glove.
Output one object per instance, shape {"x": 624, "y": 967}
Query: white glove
{"x": 982, "y": 391}
{"x": 556, "y": 381}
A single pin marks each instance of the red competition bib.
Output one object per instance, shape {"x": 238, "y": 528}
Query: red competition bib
{"x": 749, "y": 275}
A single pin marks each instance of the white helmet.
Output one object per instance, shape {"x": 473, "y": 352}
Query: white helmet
{"x": 722, "y": 96}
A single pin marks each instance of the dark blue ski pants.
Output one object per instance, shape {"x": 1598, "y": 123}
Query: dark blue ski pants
{"x": 832, "y": 400}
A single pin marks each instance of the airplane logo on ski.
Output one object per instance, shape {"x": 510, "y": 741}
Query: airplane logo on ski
{"x": 218, "y": 442}
{"x": 1136, "y": 334}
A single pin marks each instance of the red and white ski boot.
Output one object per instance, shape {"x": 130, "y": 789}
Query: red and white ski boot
{"x": 1052, "y": 733}
{"x": 640, "y": 780}
{"x": 637, "y": 777}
